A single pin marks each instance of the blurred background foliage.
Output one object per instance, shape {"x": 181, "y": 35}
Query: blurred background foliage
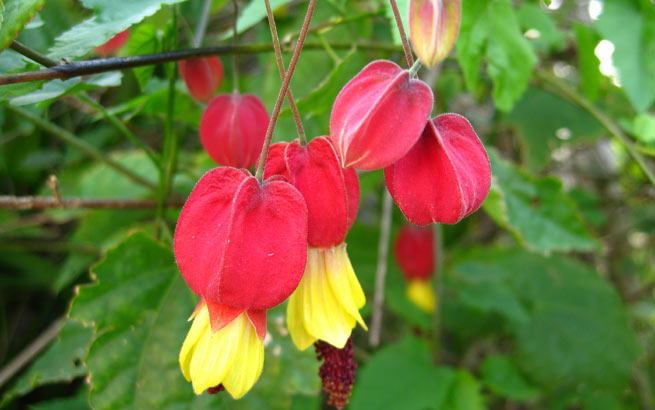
{"x": 548, "y": 290}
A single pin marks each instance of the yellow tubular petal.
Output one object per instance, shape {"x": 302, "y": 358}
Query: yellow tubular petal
{"x": 215, "y": 354}
{"x": 324, "y": 317}
{"x": 421, "y": 294}
{"x": 295, "y": 320}
{"x": 248, "y": 363}
{"x": 344, "y": 283}
{"x": 199, "y": 326}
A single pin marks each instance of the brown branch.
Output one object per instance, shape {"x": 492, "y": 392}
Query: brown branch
{"x": 381, "y": 270}
{"x": 41, "y": 202}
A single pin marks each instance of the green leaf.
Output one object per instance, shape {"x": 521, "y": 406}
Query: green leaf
{"x": 545, "y": 36}
{"x": 464, "y": 393}
{"x": 577, "y": 331}
{"x": 252, "y": 14}
{"x": 15, "y": 15}
{"x": 630, "y": 26}
{"x": 401, "y": 376}
{"x": 110, "y": 18}
{"x": 644, "y": 128}
{"x": 502, "y": 377}
{"x": 60, "y": 362}
{"x": 491, "y": 30}
{"x": 536, "y": 210}
{"x": 588, "y": 62}
{"x": 56, "y": 88}
{"x": 144, "y": 40}
{"x": 545, "y": 122}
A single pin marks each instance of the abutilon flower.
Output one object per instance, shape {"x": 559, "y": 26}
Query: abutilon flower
{"x": 114, "y": 44}
{"x": 414, "y": 251}
{"x": 326, "y": 304}
{"x": 379, "y": 115}
{"x": 202, "y": 76}
{"x": 433, "y": 27}
{"x": 232, "y": 129}
{"x": 242, "y": 248}
{"x": 444, "y": 177}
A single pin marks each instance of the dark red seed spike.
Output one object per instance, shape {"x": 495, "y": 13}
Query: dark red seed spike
{"x": 337, "y": 371}
{"x": 216, "y": 389}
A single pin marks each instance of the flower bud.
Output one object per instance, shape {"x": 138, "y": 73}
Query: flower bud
{"x": 202, "y": 76}
{"x": 379, "y": 115}
{"x": 114, "y": 44}
{"x": 232, "y": 129}
{"x": 446, "y": 175}
{"x": 433, "y": 27}
{"x": 414, "y": 251}
{"x": 331, "y": 192}
{"x": 241, "y": 245}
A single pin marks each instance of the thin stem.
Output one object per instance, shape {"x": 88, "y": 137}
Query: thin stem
{"x": 280, "y": 66}
{"x": 102, "y": 65}
{"x": 567, "y": 92}
{"x": 201, "y": 28}
{"x": 32, "y": 54}
{"x": 403, "y": 36}
{"x": 413, "y": 70}
{"x": 83, "y": 146}
{"x": 41, "y": 202}
{"x": 235, "y": 33}
{"x": 118, "y": 124}
{"x": 283, "y": 90}
{"x": 438, "y": 290}
{"x": 327, "y": 48}
{"x": 381, "y": 270}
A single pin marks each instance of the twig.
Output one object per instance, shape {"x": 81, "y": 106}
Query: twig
{"x": 235, "y": 36}
{"x": 381, "y": 270}
{"x": 280, "y": 66}
{"x": 53, "y": 184}
{"x": 79, "y": 68}
{"x": 83, "y": 146}
{"x": 567, "y": 92}
{"x": 283, "y": 90}
{"x": 43, "y": 202}
{"x": 403, "y": 36}
{"x": 202, "y": 23}
{"x": 32, "y": 54}
{"x": 438, "y": 290}
{"x": 31, "y": 351}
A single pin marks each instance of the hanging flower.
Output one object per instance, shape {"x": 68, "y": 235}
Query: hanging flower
{"x": 326, "y": 304}
{"x": 445, "y": 177}
{"x": 414, "y": 251}
{"x": 241, "y": 247}
{"x": 232, "y": 129}
{"x": 202, "y": 76}
{"x": 379, "y": 115}
{"x": 433, "y": 26}
{"x": 114, "y": 44}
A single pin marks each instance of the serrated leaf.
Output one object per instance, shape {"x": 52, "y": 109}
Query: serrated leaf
{"x": 110, "y": 18}
{"x": 545, "y": 122}
{"x": 502, "y": 377}
{"x": 630, "y": 26}
{"x": 60, "y": 362}
{"x": 143, "y": 40}
{"x": 536, "y": 210}
{"x": 420, "y": 384}
{"x": 491, "y": 30}
{"x": 16, "y": 14}
{"x": 252, "y": 14}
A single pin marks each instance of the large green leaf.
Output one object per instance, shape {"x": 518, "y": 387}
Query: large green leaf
{"x": 576, "y": 332}
{"x": 630, "y": 26}
{"x": 464, "y": 394}
{"x": 502, "y": 377}
{"x": 536, "y": 210}
{"x": 545, "y": 35}
{"x": 491, "y": 30}
{"x": 110, "y": 18}
{"x": 545, "y": 121}
{"x": 144, "y": 40}
{"x": 15, "y": 15}
{"x": 588, "y": 62}
{"x": 401, "y": 376}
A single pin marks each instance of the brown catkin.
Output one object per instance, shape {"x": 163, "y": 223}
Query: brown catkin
{"x": 337, "y": 371}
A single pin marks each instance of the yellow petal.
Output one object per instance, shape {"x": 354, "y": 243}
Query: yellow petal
{"x": 343, "y": 282}
{"x": 248, "y": 362}
{"x": 295, "y": 321}
{"x": 421, "y": 294}
{"x": 199, "y": 326}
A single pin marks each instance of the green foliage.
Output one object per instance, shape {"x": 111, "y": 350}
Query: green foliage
{"x": 14, "y": 16}
{"x": 144, "y": 40}
{"x": 502, "y": 377}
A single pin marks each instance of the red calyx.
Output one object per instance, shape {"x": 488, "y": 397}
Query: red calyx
{"x": 379, "y": 115}
{"x": 414, "y": 250}
{"x": 232, "y": 129}
{"x": 446, "y": 175}
{"x": 241, "y": 245}
{"x": 202, "y": 76}
{"x": 114, "y": 44}
{"x": 330, "y": 191}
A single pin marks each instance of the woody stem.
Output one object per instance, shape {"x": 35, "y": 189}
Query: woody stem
{"x": 403, "y": 36}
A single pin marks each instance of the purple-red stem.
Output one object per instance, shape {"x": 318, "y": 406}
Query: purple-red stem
{"x": 283, "y": 90}
{"x": 403, "y": 35}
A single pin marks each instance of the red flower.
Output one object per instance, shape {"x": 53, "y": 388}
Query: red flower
{"x": 232, "y": 129}
{"x": 114, "y": 44}
{"x": 379, "y": 115}
{"x": 446, "y": 175}
{"x": 241, "y": 247}
{"x": 414, "y": 249}
{"x": 202, "y": 76}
